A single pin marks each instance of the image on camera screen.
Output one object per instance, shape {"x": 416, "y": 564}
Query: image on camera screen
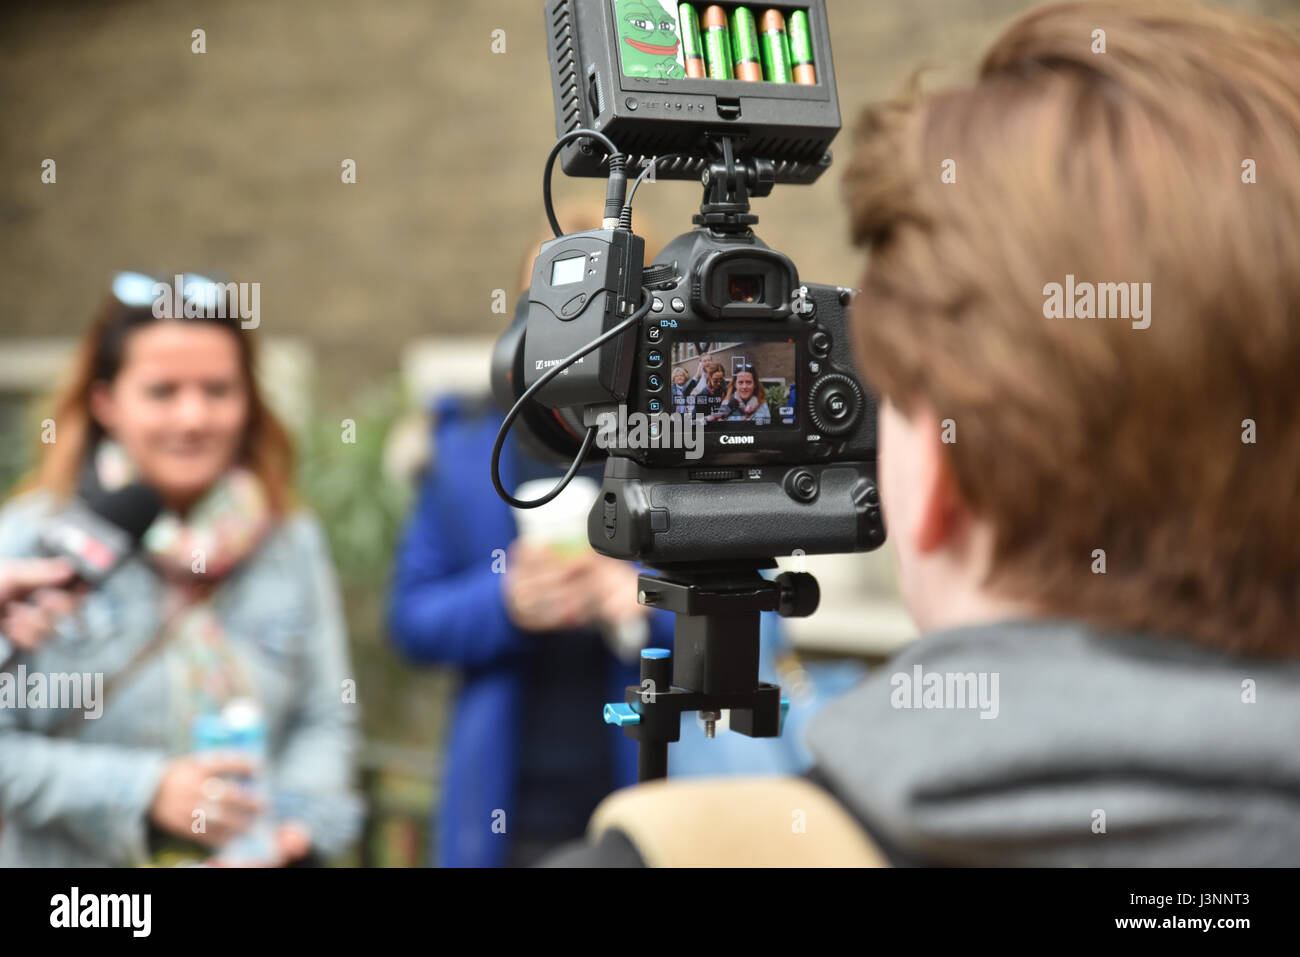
{"x": 749, "y": 382}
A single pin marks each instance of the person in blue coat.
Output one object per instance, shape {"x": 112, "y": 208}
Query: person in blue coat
{"x": 528, "y": 756}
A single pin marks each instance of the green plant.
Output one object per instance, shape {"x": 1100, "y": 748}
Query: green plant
{"x": 341, "y": 477}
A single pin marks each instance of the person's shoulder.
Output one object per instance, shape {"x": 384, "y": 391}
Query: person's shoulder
{"x": 294, "y": 545}
{"x": 33, "y": 503}
{"x": 20, "y": 520}
{"x": 462, "y": 410}
{"x": 458, "y": 423}
{"x": 612, "y": 849}
{"x": 300, "y": 531}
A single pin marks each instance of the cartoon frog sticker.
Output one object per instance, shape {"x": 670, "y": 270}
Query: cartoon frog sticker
{"x": 649, "y": 41}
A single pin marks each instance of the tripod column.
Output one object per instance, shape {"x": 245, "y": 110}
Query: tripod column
{"x": 656, "y": 677}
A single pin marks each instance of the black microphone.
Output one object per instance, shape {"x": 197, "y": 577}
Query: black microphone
{"x": 95, "y": 533}
{"x": 99, "y": 529}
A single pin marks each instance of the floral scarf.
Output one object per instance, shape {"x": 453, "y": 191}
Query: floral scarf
{"x": 193, "y": 555}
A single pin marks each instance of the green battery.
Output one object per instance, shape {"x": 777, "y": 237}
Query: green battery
{"x": 717, "y": 44}
{"x": 801, "y": 49}
{"x": 692, "y": 45}
{"x": 744, "y": 45}
{"x": 775, "y": 46}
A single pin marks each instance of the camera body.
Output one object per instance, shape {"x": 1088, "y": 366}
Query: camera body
{"x": 798, "y": 476}
{"x": 775, "y": 454}
{"x": 737, "y": 312}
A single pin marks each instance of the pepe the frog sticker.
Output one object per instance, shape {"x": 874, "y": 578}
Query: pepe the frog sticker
{"x": 647, "y": 35}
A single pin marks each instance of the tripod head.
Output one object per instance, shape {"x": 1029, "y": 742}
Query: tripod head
{"x": 714, "y": 664}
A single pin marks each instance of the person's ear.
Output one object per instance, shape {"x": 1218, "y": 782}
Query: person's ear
{"x": 940, "y": 511}
{"x": 103, "y": 406}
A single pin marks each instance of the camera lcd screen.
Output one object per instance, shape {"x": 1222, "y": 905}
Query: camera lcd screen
{"x": 735, "y": 383}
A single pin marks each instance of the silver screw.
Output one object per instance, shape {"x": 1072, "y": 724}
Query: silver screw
{"x": 709, "y": 718}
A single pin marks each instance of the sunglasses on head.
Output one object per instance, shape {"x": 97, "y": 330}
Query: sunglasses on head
{"x": 136, "y": 289}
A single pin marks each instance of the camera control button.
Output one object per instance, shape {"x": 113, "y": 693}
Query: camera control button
{"x": 654, "y": 405}
{"x": 654, "y": 334}
{"x": 657, "y": 304}
{"x": 815, "y": 368}
{"x": 820, "y": 344}
{"x": 654, "y": 382}
{"x": 801, "y": 485}
{"x": 654, "y": 358}
{"x": 678, "y": 305}
{"x": 836, "y": 403}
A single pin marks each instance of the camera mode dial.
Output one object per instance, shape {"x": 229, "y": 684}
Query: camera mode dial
{"x": 835, "y": 404}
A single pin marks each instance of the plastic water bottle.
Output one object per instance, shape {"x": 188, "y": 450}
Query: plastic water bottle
{"x": 240, "y": 729}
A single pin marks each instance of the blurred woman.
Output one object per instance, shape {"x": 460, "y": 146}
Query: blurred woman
{"x": 682, "y": 401}
{"x": 746, "y": 401}
{"x": 709, "y": 399}
{"x": 230, "y": 603}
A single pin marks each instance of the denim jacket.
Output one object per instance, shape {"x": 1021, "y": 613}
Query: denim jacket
{"x": 81, "y": 797}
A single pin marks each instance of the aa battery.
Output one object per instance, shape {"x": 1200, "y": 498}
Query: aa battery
{"x": 744, "y": 45}
{"x": 801, "y": 49}
{"x": 775, "y": 46}
{"x": 717, "y": 44}
{"x": 692, "y": 45}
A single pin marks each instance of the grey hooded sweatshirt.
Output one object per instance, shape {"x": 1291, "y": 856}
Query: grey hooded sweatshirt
{"x": 1045, "y": 743}
{"x": 1097, "y": 750}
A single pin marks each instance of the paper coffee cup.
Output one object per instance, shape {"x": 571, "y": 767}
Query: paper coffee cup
{"x": 562, "y": 522}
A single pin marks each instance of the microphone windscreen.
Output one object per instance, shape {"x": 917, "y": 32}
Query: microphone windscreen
{"x": 132, "y": 508}
{"x": 100, "y": 527}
